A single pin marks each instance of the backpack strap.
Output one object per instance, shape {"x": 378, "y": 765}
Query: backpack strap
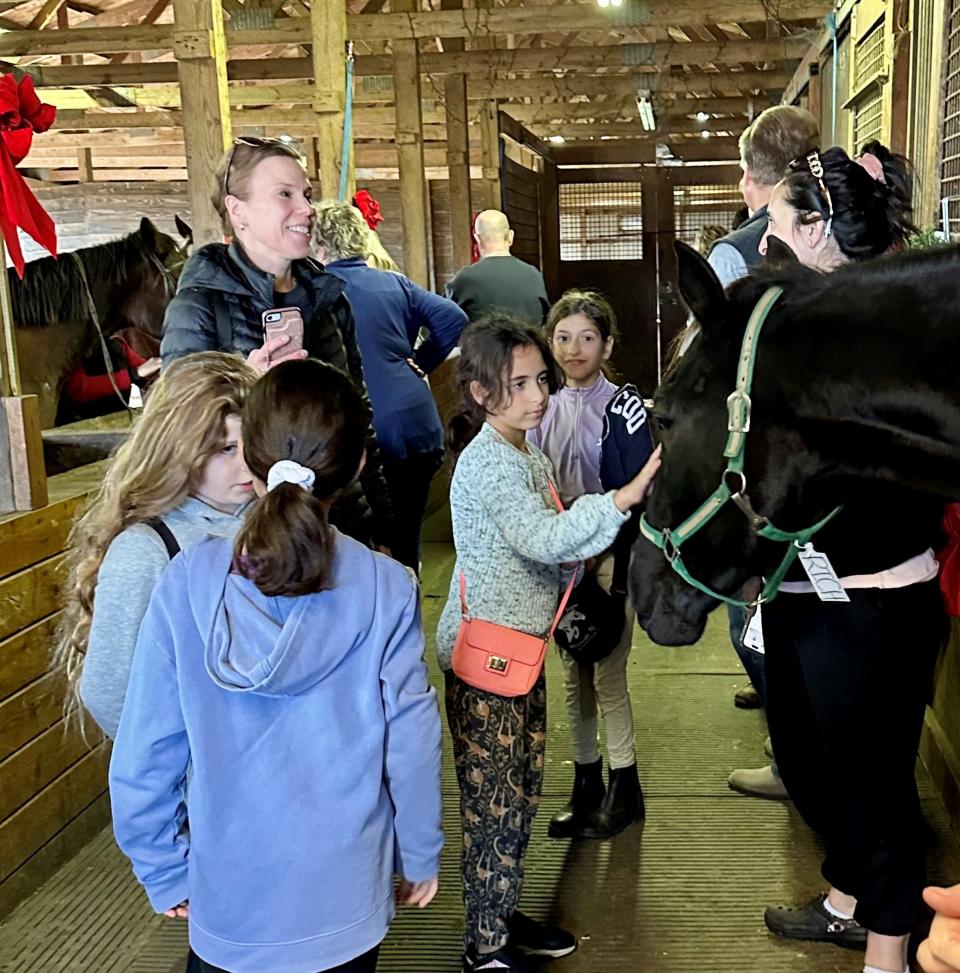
{"x": 166, "y": 535}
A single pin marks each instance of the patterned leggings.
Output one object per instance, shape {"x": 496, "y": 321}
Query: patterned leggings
{"x": 498, "y": 748}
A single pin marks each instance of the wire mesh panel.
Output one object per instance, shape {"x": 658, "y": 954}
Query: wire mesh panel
{"x": 868, "y": 120}
{"x": 601, "y": 221}
{"x": 869, "y": 55}
{"x": 700, "y": 212}
{"x": 950, "y": 157}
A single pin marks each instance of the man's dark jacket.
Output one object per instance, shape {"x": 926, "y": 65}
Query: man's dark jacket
{"x": 220, "y": 300}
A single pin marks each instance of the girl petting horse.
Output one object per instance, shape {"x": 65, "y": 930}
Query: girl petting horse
{"x": 511, "y": 544}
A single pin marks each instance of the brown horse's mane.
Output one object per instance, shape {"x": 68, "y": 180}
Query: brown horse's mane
{"x": 52, "y": 289}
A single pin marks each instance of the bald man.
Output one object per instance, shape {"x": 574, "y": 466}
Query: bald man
{"x": 499, "y": 281}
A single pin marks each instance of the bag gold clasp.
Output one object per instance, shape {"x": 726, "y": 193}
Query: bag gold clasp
{"x": 496, "y": 663}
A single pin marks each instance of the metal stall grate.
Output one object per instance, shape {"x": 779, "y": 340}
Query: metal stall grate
{"x": 601, "y": 221}
{"x": 699, "y": 208}
{"x": 950, "y": 154}
{"x": 869, "y": 65}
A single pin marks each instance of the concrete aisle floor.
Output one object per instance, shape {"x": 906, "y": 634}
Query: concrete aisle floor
{"x": 683, "y": 893}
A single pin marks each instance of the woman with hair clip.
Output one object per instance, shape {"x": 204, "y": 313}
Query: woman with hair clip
{"x": 391, "y": 312}
{"x": 286, "y": 670}
{"x": 847, "y": 683}
{"x": 263, "y": 196}
{"x": 179, "y": 477}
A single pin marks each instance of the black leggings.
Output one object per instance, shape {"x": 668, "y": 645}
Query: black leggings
{"x": 362, "y": 964}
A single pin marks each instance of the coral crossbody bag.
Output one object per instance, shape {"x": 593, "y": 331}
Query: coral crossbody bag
{"x": 498, "y": 659}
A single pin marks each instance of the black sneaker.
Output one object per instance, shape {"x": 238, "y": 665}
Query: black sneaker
{"x": 504, "y": 960}
{"x": 539, "y": 938}
{"x": 814, "y": 923}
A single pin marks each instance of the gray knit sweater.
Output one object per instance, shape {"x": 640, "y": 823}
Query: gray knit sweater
{"x": 128, "y": 574}
{"x": 511, "y": 539}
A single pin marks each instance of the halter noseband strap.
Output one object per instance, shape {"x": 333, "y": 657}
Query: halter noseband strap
{"x": 733, "y": 483}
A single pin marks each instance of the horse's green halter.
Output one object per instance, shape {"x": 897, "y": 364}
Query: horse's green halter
{"x": 738, "y": 425}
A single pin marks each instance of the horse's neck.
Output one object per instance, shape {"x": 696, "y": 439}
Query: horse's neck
{"x": 46, "y": 356}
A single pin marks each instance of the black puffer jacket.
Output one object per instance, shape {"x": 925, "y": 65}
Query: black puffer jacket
{"x": 219, "y": 305}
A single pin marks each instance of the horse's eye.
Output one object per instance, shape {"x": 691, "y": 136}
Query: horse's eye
{"x": 663, "y": 423}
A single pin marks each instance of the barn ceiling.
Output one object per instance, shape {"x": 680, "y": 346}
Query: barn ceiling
{"x": 568, "y": 70}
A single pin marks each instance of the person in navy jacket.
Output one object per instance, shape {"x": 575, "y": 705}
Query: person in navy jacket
{"x": 390, "y": 313}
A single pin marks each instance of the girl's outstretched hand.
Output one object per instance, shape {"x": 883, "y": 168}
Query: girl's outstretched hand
{"x": 181, "y": 911}
{"x": 636, "y": 490}
{"x": 417, "y": 893}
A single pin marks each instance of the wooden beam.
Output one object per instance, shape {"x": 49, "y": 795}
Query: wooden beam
{"x": 636, "y": 151}
{"x": 201, "y": 52}
{"x": 637, "y": 57}
{"x": 329, "y": 35}
{"x": 85, "y": 164}
{"x": 409, "y": 139}
{"x": 458, "y": 153}
{"x": 473, "y": 23}
{"x": 514, "y": 130}
{"x": 650, "y": 59}
{"x": 45, "y": 14}
{"x": 667, "y": 128}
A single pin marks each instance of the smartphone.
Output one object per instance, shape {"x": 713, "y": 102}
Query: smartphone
{"x": 284, "y": 321}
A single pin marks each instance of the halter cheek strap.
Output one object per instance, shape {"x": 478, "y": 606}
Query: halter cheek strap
{"x": 733, "y": 483}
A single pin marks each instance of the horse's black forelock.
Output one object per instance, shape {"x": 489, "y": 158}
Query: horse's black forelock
{"x": 52, "y": 289}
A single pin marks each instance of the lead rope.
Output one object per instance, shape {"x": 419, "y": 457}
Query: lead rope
{"x": 95, "y": 317}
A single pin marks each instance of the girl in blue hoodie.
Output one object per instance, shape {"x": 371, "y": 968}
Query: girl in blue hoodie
{"x": 286, "y": 669}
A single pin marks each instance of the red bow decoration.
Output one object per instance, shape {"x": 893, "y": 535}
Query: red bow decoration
{"x": 369, "y": 207}
{"x": 21, "y": 114}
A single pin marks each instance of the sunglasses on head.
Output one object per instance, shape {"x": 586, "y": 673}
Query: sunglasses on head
{"x": 254, "y": 142}
{"x": 816, "y": 170}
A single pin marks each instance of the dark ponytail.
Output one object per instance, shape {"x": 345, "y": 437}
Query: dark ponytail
{"x": 310, "y": 413}
{"x": 870, "y": 216}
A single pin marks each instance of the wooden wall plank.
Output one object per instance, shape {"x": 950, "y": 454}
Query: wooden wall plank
{"x": 31, "y": 594}
{"x": 26, "y": 831}
{"x": 26, "y": 714}
{"x": 25, "y": 657}
{"x": 34, "y": 766}
{"x": 59, "y": 849}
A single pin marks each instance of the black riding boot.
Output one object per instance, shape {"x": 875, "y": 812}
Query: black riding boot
{"x": 588, "y": 791}
{"x": 621, "y": 807}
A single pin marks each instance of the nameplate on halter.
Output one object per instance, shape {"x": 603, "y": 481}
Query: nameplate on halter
{"x": 820, "y": 571}
{"x": 752, "y": 636}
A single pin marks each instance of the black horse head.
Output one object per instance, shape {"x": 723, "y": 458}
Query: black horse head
{"x": 854, "y": 380}
{"x": 157, "y": 260}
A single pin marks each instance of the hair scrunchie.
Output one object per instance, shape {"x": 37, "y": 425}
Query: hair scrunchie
{"x": 289, "y": 471}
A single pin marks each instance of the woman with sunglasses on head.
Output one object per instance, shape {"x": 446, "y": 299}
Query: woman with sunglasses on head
{"x": 263, "y": 196}
{"x": 847, "y": 683}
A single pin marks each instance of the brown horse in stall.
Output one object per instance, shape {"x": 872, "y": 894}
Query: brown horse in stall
{"x": 63, "y": 307}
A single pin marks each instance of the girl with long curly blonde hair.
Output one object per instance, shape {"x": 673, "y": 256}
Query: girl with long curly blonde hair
{"x": 179, "y": 477}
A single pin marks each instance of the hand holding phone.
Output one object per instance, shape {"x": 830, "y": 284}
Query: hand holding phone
{"x": 283, "y": 322}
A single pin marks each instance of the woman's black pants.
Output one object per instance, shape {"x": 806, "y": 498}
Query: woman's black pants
{"x": 408, "y": 483}
{"x": 846, "y": 689}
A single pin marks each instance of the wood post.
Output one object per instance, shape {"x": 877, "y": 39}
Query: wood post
{"x": 200, "y": 48}
{"x": 409, "y": 137}
{"x": 328, "y": 24}
{"x": 85, "y": 164}
{"x": 490, "y": 143}
{"x": 458, "y": 153}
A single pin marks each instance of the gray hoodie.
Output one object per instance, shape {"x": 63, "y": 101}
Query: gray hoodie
{"x": 130, "y": 570}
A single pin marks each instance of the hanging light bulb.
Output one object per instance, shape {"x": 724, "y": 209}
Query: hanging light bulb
{"x": 616, "y": 3}
{"x": 702, "y": 116}
{"x": 603, "y": 3}
{"x": 705, "y": 134}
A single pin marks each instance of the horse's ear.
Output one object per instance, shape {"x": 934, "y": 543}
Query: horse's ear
{"x": 184, "y": 229}
{"x": 779, "y": 252}
{"x": 700, "y": 288}
{"x": 148, "y": 234}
